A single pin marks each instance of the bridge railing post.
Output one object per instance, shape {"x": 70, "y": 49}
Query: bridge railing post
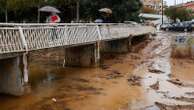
{"x": 25, "y": 63}
{"x": 98, "y": 42}
{"x": 23, "y": 39}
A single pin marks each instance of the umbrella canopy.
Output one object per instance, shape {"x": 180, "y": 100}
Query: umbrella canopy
{"x": 105, "y": 10}
{"x": 49, "y": 9}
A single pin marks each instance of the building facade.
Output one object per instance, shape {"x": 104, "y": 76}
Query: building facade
{"x": 155, "y": 5}
{"x": 188, "y": 5}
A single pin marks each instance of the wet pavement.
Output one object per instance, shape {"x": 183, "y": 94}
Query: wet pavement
{"x": 147, "y": 79}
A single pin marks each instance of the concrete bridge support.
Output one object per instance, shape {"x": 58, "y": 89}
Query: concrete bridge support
{"x": 116, "y": 46}
{"x": 83, "y": 56}
{"x": 140, "y": 38}
{"x": 13, "y": 76}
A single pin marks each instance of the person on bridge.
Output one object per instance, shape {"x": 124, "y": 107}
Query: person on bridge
{"x": 53, "y": 18}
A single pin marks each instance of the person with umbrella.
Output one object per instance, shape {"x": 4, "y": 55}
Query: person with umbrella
{"x": 105, "y": 14}
{"x": 53, "y": 18}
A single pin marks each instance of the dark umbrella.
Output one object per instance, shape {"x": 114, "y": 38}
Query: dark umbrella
{"x": 49, "y": 9}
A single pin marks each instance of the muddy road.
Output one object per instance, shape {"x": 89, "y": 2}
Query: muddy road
{"x": 147, "y": 79}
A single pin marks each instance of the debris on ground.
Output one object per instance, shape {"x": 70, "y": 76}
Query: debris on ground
{"x": 113, "y": 75}
{"x": 186, "y": 99}
{"x": 89, "y": 89}
{"x": 171, "y": 75}
{"x": 54, "y": 99}
{"x": 189, "y": 93}
{"x": 155, "y": 86}
{"x": 174, "y": 107}
{"x": 81, "y": 80}
{"x": 135, "y": 56}
{"x": 155, "y": 71}
{"x": 134, "y": 80}
{"x": 176, "y": 82}
{"x": 104, "y": 67}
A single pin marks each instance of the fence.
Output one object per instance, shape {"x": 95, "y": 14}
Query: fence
{"x": 28, "y": 37}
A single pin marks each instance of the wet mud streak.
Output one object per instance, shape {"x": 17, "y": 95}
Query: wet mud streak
{"x": 161, "y": 90}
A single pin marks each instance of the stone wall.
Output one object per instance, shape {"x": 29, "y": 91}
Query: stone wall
{"x": 183, "y": 46}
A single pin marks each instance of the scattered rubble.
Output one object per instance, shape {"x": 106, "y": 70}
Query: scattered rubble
{"x": 176, "y": 82}
{"x": 174, "y": 107}
{"x": 113, "y": 75}
{"x": 190, "y": 93}
{"x": 135, "y": 56}
{"x": 180, "y": 83}
{"x": 155, "y": 86}
{"x": 134, "y": 80}
{"x": 54, "y": 99}
{"x": 171, "y": 75}
{"x": 104, "y": 67}
{"x": 186, "y": 99}
{"x": 81, "y": 80}
{"x": 155, "y": 71}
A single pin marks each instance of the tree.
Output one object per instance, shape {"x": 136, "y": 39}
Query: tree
{"x": 20, "y": 10}
{"x": 17, "y": 7}
{"x": 178, "y": 13}
{"x": 122, "y": 9}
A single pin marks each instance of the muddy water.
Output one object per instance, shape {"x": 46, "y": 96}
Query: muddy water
{"x": 57, "y": 88}
{"x": 147, "y": 79}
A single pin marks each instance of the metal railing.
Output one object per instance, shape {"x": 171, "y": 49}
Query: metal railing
{"x": 28, "y": 37}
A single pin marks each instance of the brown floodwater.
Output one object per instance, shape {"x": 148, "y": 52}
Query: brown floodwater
{"x": 140, "y": 80}
{"x": 56, "y": 88}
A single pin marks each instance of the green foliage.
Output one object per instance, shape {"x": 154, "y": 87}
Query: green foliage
{"x": 122, "y": 9}
{"x": 179, "y": 13}
{"x": 19, "y": 10}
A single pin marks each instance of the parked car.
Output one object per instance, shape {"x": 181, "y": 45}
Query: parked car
{"x": 182, "y": 26}
{"x": 165, "y": 26}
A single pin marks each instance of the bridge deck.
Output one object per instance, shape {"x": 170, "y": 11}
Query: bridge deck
{"x": 22, "y": 38}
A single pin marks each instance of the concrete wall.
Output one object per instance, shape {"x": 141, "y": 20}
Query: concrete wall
{"x": 183, "y": 46}
{"x": 116, "y": 46}
{"x": 11, "y": 77}
{"x": 83, "y": 56}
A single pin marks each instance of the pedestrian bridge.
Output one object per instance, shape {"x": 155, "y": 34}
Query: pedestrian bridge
{"x": 82, "y": 45}
{"x": 16, "y": 38}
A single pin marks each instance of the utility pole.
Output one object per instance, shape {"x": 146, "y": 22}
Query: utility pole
{"x": 6, "y": 15}
{"x": 38, "y": 17}
{"x": 5, "y": 11}
{"x": 162, "y": 11}
{"x": 77, "y": 11}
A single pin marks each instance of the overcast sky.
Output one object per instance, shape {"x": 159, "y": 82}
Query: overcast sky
{"x": 171, "y": 2}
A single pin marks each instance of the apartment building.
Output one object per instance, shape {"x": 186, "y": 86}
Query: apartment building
{"x": 155, "y": 4}
{"x": 188, "y": 5}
